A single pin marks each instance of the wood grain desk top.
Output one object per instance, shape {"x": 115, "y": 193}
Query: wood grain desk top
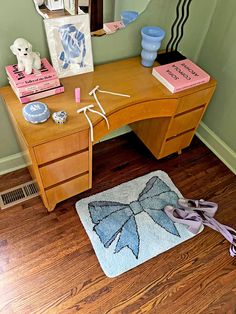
{"x": 126, "y": 76}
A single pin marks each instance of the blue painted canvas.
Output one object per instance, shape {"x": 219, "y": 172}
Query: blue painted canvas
{"x": 127, "y": 224}
{"x": 69, "y": 41}
{"x": 73, "y": 46}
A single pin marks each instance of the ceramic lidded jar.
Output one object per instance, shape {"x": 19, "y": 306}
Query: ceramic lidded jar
{"x": 151, "y": 42}
{"x": 59, "y": 117}
{"x": 36, "y": 112}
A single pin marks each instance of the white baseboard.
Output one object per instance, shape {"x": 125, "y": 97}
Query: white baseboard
{"x": 217, "y": 146}
{"x": 17, "y": 161}
{"x": 206, "y": 135}
{"x": 12, "y": 163}
{"x": 118, "y": 132}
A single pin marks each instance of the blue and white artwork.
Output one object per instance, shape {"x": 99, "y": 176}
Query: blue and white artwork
{"x": 73, "y": 44}
{"x": 69, "y": 43}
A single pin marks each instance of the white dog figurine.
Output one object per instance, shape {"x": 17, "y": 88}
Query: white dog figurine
{"x": 27, "y": 60}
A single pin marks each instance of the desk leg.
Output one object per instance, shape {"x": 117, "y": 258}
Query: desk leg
{"x": 50, "y": 207}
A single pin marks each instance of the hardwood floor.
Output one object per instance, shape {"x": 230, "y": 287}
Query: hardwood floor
{"x": 47, "y": 264}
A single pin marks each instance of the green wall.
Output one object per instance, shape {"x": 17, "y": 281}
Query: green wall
{"x": 108, "y": 10}
{"x": 218, "y": 57}
{"x": 23, "y": 21}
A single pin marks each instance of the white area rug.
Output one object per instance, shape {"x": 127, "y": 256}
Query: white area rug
{"x": 127, "y": 224}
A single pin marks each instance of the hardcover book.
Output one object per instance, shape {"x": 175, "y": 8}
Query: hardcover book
{"x": 39, "y": 95}
{"x": 34, "y": 88}
{"x": 112, "y": 27}
{"x": 20, "y": 79}
{"x": 180, "y": 75}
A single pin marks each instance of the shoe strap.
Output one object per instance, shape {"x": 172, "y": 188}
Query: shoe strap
{"x": 227, "y": 232}
{"x": 188, "y": 215}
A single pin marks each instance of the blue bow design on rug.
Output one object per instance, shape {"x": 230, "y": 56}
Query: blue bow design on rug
{"x": 113, "y": 218}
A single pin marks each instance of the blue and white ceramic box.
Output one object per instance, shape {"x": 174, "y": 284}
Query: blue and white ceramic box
{"x": 59, "y": 117}
{"x": 36, "y": 112}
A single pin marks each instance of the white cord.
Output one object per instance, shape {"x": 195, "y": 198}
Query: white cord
{"x": 93, "y": 92}
{"x": 90, "y": 125}
{"x": 84, "y": 110}
{"x": 112, "y": 93}
{"x": 102, "y": 115}
{"x": 97, "y": 101}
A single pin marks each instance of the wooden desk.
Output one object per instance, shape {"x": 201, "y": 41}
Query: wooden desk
{"x": 61, "y": 155}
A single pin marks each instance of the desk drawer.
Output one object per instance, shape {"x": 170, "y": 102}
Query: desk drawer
{"x": 61, "y": 147}
{"x": 195, "y": 100}
{"x": 177, "y": 143}
{"x": 64, "y": 169}
{"x": 185, "y": 122}
{"x": 67, "y": 189}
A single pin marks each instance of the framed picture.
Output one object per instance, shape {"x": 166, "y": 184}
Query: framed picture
{"x": 71, "y": 6}
{"x": 69, "y": 42}
{"x": 54, "y": 4}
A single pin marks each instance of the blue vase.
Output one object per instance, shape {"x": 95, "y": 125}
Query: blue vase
{"x": 128, "y": 16}
{"x": 151, "y": 42}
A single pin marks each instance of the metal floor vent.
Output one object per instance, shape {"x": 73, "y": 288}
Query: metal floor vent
{"x": 18, "y": 194}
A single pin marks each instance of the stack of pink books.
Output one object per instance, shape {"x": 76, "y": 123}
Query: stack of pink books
{"x": 38, "y": 84}
{"x": 112, "y": 27}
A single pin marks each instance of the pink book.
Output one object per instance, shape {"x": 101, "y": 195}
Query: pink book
{"x": 43, "y": 94}
{"x": 20, "y": 79}
{"x": 31, "y": 89}
{"x": 180, "y": 75}
{"x": 112, "y": 27}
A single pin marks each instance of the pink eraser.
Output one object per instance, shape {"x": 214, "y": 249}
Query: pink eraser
{"x": 77, "y": 94}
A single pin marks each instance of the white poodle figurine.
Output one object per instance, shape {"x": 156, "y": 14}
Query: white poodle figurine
{"x": 27, "y": 60}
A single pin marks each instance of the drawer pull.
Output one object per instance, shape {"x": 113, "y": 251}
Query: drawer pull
{"x": 64, "y": 169}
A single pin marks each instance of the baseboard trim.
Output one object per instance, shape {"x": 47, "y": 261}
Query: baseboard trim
{"x": 12, "y": 163}
{"x": 217, "y": 146}
{"x": 17, "y": 161}
{"x": 206, "y": 135}
{"x": 123, "y": 130}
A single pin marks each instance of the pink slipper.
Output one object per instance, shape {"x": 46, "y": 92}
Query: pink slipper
{"x": 192, "y": 220}
{"x": 208, "y": 208}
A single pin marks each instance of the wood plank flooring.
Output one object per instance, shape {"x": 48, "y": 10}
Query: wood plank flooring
{"x": 47, "y": 264}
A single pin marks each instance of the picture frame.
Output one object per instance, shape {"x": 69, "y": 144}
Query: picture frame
{"x": 69, "y": 43}
{"x": 71, "y": 6}
{"x": 54, "y": 4}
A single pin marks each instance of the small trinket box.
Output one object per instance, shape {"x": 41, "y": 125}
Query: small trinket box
{"x": 36, "y": 112}
{"x": 59, "y": 117}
